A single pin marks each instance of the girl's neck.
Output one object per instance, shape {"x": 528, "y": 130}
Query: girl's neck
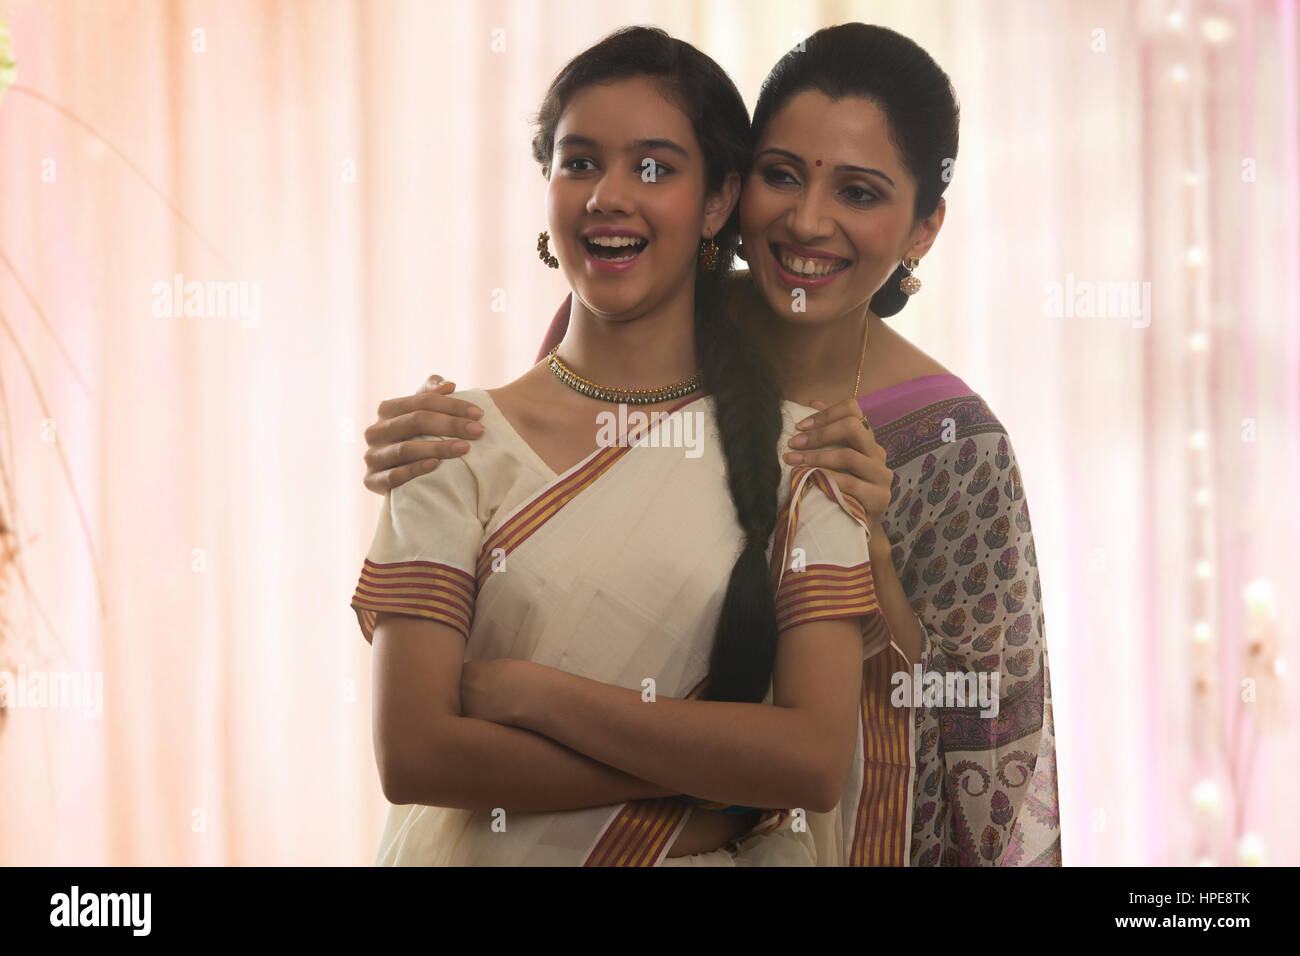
{"x": 650, "y": 350}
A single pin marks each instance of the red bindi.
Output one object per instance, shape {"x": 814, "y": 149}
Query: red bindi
{"x": 819, "y": 162}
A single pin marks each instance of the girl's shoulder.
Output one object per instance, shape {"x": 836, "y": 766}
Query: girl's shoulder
{"x": 499, "y": 457}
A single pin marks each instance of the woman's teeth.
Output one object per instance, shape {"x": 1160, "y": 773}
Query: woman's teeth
{"x": 611, "y": 248}
{"x": 812, "y": 268}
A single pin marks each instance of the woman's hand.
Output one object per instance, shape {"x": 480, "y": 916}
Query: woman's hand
{"x": 854, "y": 459}
{"x": 494, "y": 689}
{"x": 392, "y": 460}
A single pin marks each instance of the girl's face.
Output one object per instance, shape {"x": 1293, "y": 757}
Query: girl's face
{"x": 828, "y": 207}
{"x": 626, "y": 201}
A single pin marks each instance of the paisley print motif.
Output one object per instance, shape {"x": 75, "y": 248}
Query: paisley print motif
{"x": 961, "y": 540}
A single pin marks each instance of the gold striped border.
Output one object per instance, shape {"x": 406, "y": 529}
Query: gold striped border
{"x": 880, "y": 832}
{"x": 822, "y": 592}
{"x": 522, "y": 524}
{"x": 638, "y": 834}
{"x": 424, "y": 589}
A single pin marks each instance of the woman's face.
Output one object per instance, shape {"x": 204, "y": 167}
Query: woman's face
{"x": 626, "y": 201}
{"x": 828, "y": 208}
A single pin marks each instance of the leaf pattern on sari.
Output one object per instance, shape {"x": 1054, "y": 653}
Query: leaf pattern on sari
{"x": 962, "y": 542}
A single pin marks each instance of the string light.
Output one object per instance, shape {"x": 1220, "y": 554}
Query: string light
{"x": 1216, "y": 30}
{"x": 1250, "y": 850}
{"x": 1205, "y": 795}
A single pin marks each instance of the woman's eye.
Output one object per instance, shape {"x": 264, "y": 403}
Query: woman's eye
{"x": 856, "y": 194}
{"x": 777, "y": 176}
{"x": 571, "y": 164}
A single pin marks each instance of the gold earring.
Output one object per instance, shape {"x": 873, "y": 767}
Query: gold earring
{"x": 911, "y": 285}
{"x": 708, "y": 254}
{"x": 544, "y": 250}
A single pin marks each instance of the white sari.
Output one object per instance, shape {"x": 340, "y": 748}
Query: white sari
{"x": 614, "y": 570}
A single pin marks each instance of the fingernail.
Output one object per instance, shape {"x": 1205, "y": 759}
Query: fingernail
{"x": 794, "y": 458}
{"x": 474, "y": 428}
{"x": 806, "y": 423}
{"x": 473, "y": 411}
{"x": 798, "y": 441}
{"x": 460, "y": 447}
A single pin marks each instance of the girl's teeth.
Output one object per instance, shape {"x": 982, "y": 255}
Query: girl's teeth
{"x": 614, "y": 241}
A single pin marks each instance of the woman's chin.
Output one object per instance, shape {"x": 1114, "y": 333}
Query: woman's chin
{"x": 813, "y": 308}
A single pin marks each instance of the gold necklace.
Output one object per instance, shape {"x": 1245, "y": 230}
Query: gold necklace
{"x": 857, "y": 385}
{"x": 629, "y": 396}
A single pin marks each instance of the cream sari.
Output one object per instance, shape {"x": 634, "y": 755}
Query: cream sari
{"x": 614, "y": 570}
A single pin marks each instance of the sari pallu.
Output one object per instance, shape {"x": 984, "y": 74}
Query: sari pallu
{"x": 872, "y": 824}
{"x": 590, "y": 572}
{"x": 958, "y": 523}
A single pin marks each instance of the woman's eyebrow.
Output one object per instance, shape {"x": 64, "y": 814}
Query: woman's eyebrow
{"x": 638, "y": 146}
{"x": 795, "y": 157}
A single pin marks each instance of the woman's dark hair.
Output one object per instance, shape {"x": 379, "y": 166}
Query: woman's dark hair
{"x": 745, "y": 390}
{"x": 916, "y": 96}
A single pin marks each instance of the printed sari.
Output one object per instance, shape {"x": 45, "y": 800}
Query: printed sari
{"x": 958, "y": 522}
{"x": 614, "y": 570}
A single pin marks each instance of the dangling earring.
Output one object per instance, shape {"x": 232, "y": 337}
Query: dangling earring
{"x": 910, "y": 284}
{"x": 708, "y": 255}
{"x": 544, "y": 250}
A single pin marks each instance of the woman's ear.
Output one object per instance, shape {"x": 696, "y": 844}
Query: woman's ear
{"x": 927, "y": 231}
{"x": 718, "y": 206}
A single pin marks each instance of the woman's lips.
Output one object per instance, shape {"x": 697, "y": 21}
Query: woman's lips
{"x": 826, "y": 267}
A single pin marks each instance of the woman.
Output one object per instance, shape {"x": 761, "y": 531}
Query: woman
{"x": 541, "y": 554}
{"x": 855, "y": 136}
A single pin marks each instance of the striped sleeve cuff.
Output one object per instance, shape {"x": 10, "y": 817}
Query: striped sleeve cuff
{"x": 415, "y": 588}
{"x": 823, "y": 592}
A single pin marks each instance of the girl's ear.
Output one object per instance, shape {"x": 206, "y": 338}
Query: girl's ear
{"x": 718, "y": 205}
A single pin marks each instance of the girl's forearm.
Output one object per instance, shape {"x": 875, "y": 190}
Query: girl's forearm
{"x": 480, "y": 765}
{"x": 898, "y": 613}
{"x": 755, "y": 755}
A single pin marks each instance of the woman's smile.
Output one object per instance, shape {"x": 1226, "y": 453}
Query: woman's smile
{"x": 804, "y": 267}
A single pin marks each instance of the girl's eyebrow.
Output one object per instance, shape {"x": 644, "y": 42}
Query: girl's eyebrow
{"x": 640, "y": 145}
{"x": 794, "y": 157}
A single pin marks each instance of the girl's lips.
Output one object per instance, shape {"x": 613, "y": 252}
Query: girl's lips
{"x": 795, "y": 281}
{"x": 605, "y": 266}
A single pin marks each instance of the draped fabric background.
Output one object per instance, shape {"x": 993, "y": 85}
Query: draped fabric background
{"x": 184, "y": 491}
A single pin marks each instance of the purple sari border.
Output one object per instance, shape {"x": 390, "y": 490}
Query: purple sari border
{"x": 889, "y": 404}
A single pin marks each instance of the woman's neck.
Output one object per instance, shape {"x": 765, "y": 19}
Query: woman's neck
{"x": 816, "y": 360}
{"x": 649, "y": 350}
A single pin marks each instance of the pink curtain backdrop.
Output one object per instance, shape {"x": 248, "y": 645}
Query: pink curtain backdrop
{"x": 185, "y": 492}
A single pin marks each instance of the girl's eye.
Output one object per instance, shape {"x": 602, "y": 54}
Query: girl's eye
{"x": 569, "y": 164}
{"x": 858, "y": 195}
{"x": 652, "y": 170}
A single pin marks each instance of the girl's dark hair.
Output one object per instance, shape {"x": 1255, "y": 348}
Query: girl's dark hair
{"x": 744, "y": 386}
{"x": 916, "y": 96}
